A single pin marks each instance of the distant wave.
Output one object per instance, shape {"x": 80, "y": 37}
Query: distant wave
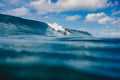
{"x": 10, "y": 25}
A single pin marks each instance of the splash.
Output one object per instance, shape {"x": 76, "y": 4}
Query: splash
{"x": 58, "y": 28}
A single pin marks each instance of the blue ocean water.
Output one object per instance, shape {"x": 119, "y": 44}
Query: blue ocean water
{"x": 32, "y": 50}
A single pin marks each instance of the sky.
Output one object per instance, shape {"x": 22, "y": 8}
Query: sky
{"x": 99, "y": 17}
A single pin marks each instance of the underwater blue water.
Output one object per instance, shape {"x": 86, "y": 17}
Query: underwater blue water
{"x": 32, "y": 50}
{"x": 59, "y": 58}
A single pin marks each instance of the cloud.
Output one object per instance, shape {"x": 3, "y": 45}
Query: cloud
{"x": 47, "y": 6}
{"x": 1, "y": 4}
{"x": 100, "y": 18}
{"x": 109, "y": 33}
{"x": 10, "y": 2}
{"x": 13, "y": 1}
{"x": 73, "y": 18}
{"x": 113, "y": 24}
{"x": 114, "y": 3}
{"x": 82, "y": 4}
{"x": 116, "y": 13}
{"x": 43, "y": 6}
{"x": 19, "y": 11}
{"x": 116, "y": 22}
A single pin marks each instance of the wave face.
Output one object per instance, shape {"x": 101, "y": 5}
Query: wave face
{"x": 10, "y": 25}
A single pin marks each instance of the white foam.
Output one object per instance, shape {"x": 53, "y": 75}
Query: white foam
{"x": 57, "y": 27}
{"x": 24, "y": 59}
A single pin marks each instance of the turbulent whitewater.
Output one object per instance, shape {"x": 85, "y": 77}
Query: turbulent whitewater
{"x": 34, "y": 50}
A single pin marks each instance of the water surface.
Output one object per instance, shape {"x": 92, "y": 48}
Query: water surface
{"x": 28, "y": 57}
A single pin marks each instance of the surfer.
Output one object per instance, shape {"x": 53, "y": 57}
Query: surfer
{"x": 65, "y": 31}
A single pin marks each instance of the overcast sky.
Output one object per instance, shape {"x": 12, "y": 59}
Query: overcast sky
{"x": 100, "y": 17}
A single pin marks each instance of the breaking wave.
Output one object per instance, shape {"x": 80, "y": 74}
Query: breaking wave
{"x": 10, "y": 25}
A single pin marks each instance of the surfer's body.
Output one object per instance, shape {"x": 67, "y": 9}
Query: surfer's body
{"x": 65, "y": 32}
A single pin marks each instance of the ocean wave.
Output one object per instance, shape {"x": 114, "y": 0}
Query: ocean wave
{"x": 10, "y": 25}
